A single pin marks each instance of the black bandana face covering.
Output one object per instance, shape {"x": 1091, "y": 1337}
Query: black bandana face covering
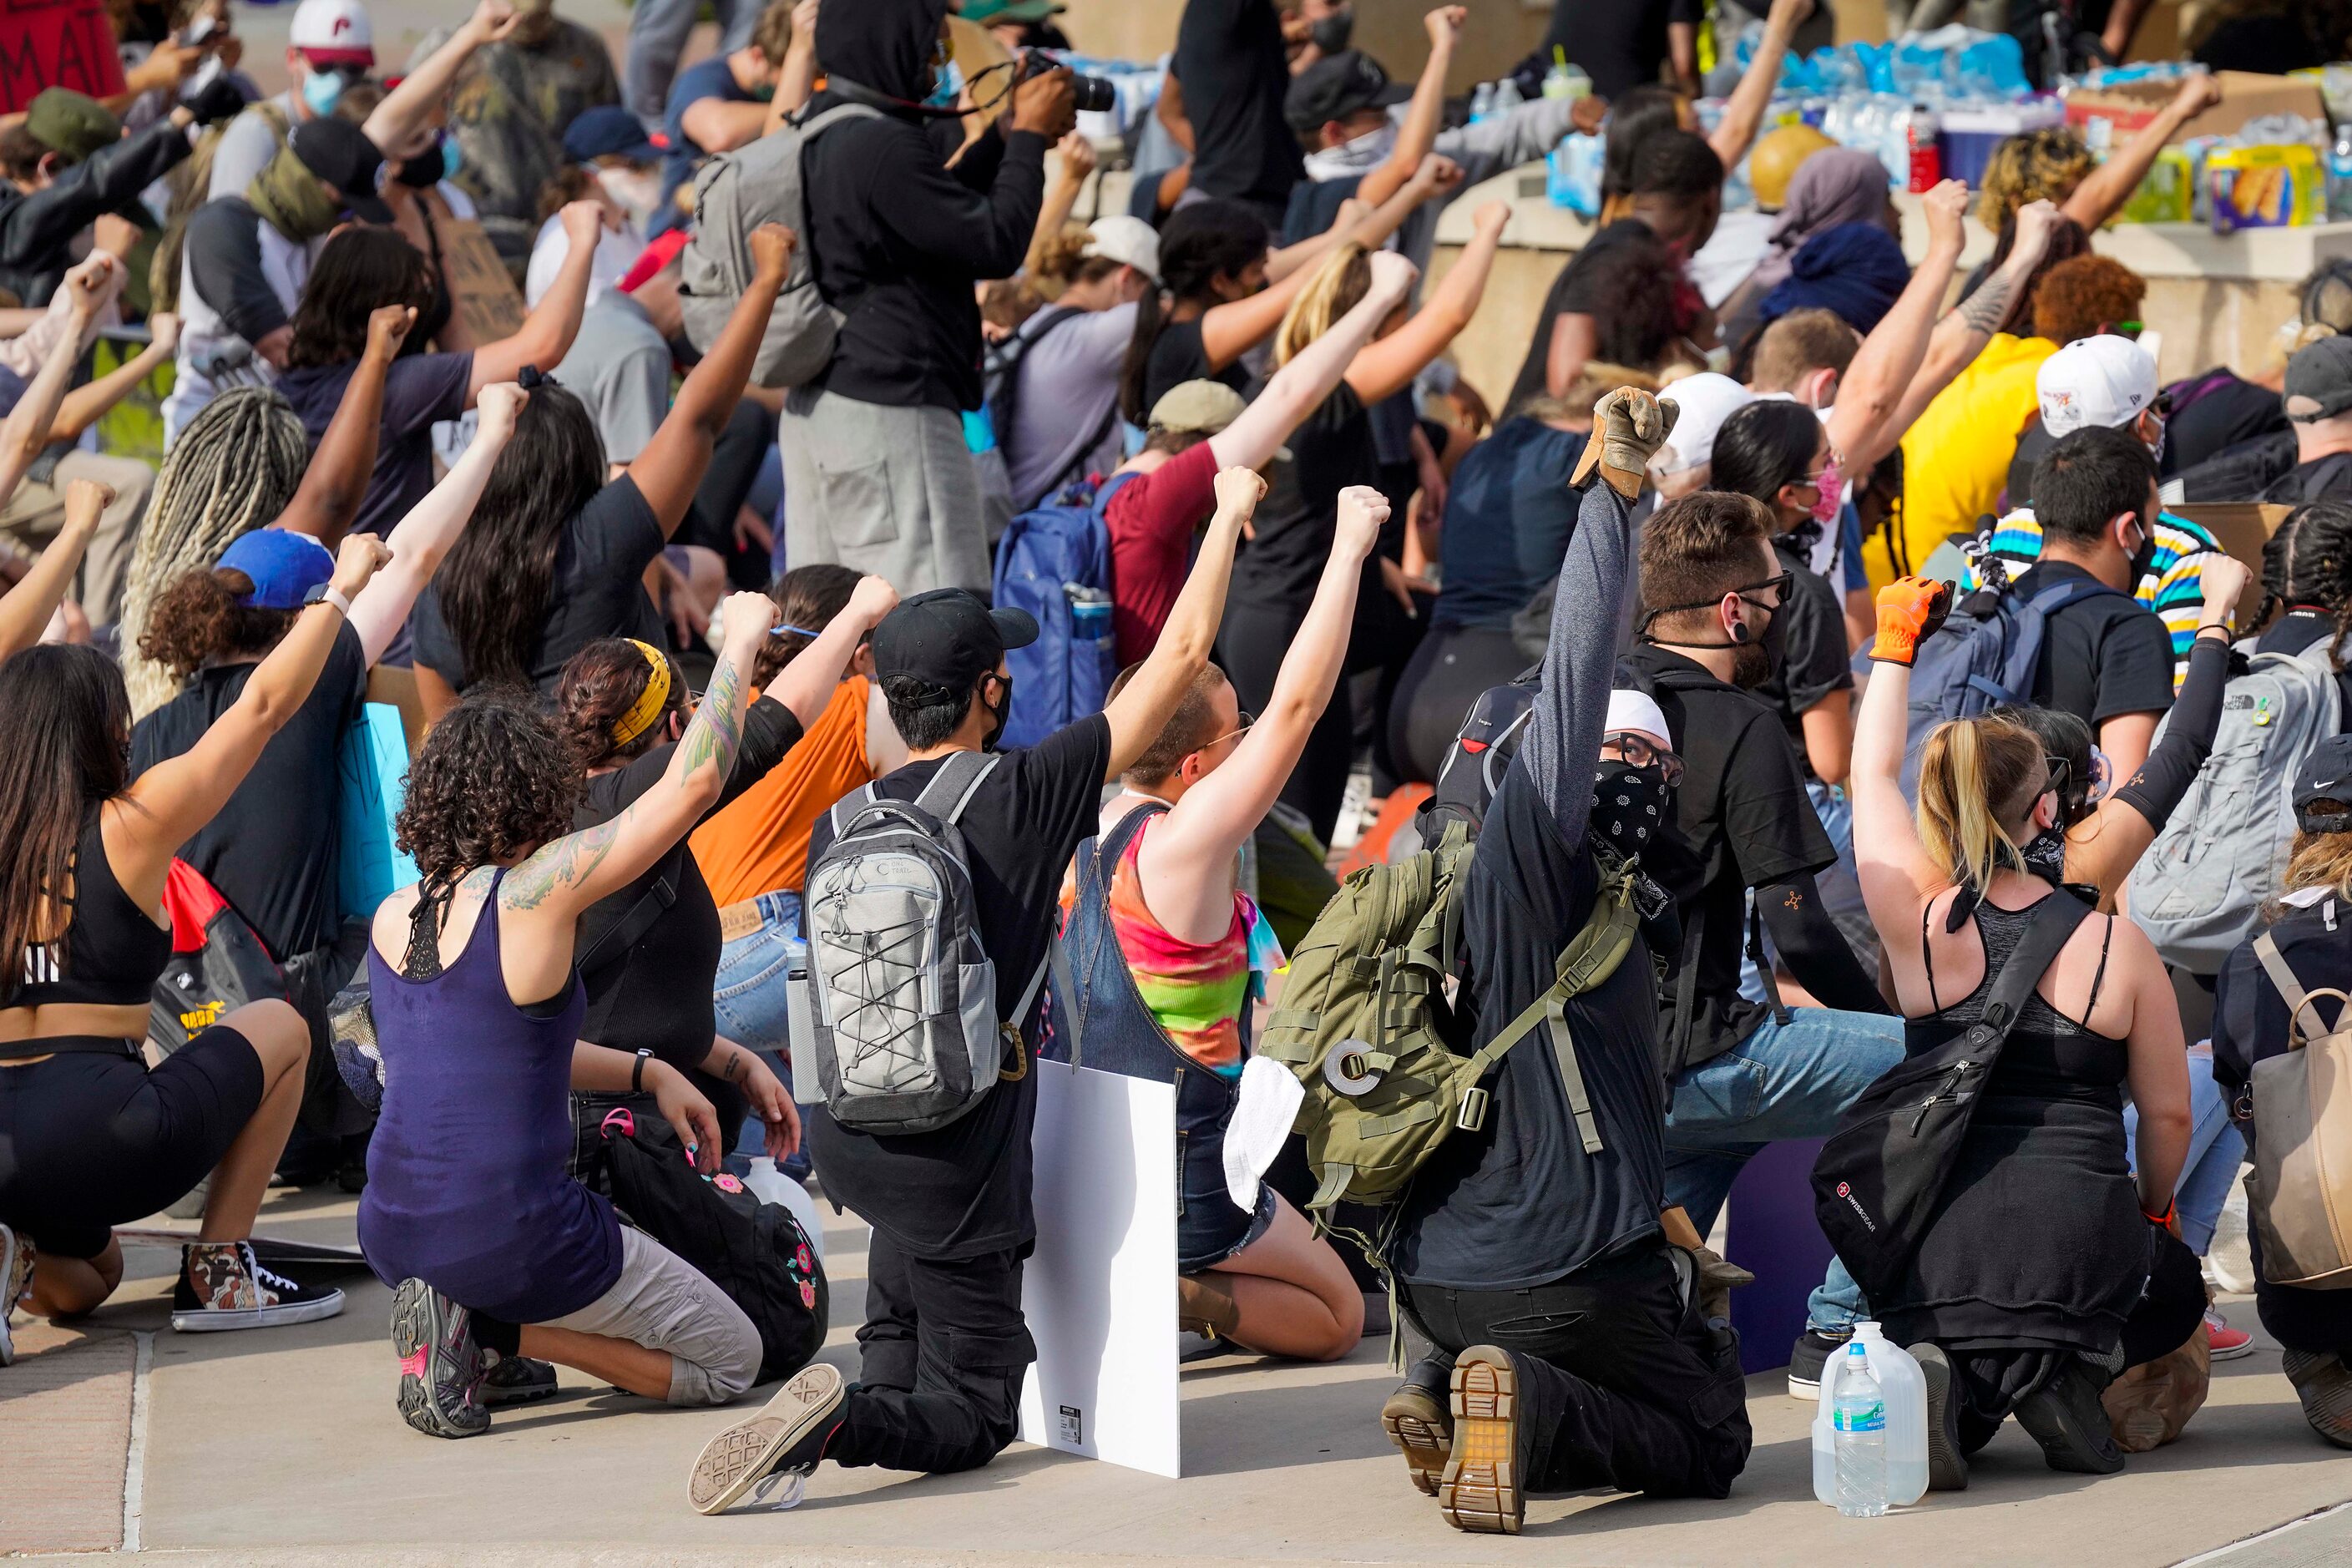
{"x": 1629, "y": 806}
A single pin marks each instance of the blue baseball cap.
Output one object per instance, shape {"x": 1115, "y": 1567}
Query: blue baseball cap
{"x": 605, "y": 130}
{"x": 284, "y": 565}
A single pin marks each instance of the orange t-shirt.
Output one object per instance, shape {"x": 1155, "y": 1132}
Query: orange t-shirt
{"x": 760, "y": 843}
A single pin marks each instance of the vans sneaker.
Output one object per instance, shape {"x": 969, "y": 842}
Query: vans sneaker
{"x": 2323, "y": 1383}
{"x": 779, "y": 1445}
{"x": 1479, "y": 1490}
{"x": 440, "y": 1362}
{"x": 223, "y": 1286}
{"x": 16, "y": 1278}
{"x": 1810, "y": 1353}
{"x": 2222, "y": 1341}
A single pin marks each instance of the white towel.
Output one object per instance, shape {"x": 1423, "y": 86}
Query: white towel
{"x": 1269, "y": 1104}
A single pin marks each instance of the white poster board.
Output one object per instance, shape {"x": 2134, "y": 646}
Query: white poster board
{"x": 1100, "y": 1290}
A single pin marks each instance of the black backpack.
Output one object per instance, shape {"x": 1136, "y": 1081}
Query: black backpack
{"x": 217, "y": 965}
{"x": 1879, "y": 1174}
{"x": 754, "y": 1251}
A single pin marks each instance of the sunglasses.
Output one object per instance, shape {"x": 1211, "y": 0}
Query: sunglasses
{"x": 1642, "y": 752}
{"x": 1778, "y": 586}
{"x": 1247, "y": 719}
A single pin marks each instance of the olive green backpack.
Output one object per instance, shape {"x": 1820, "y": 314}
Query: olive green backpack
{"x": 1367, "y": 1007}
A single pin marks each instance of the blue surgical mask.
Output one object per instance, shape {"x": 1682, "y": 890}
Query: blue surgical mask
{"x": 453, "y": 158}
{"x": 321, "y": 89}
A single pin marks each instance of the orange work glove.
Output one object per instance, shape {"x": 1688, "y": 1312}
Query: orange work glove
{"x": 1909, "y": 611}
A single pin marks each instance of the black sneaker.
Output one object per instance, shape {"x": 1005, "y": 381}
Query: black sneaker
{"x": 222, "y": 1287}
{"x": 2064, "y": 1417}
{"x": 1948, "y": 1468}
{"x": 1417, "y": 1422}
{"x": 15, "y": 1276}
{"x": 440, "y": 1364}
{"x": 780, "y": 1445}
{"x": 1480, "y": 1488}
{"x": 514, "y": 1379}
{"x": 1810, "y": 1353}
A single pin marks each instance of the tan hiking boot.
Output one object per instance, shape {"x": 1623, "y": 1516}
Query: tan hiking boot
{"x": 1416, "y": 1422}
{"x": 1206, "y": 1305}
{"x": 1480, "y": 1490}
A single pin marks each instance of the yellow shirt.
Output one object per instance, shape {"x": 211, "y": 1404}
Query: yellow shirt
{"x": 1956, "y": 457}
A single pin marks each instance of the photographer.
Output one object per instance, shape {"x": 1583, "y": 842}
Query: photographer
{"x": 875, "y": 468}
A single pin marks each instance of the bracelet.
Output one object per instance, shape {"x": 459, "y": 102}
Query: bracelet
{"x": 2165, "y": 1219}
{"x": 637, "y": 1073}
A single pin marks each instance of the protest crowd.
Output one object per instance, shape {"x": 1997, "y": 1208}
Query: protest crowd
{"x": 697, "y": 630}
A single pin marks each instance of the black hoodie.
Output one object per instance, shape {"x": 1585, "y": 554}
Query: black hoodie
{"x": 898, "y": 238}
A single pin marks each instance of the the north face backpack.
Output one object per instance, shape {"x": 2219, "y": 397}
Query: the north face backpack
{"x": 217, "y": 963}
{"x": 756, "y": 1252}
{"x": 2200, "y": 887}
{"x": 1984, "y": 657}
{"x": 903, "y": 996}
{"x": 2300, "y": 1195}
{"x": 1053, "y": 562}
{"x": 734, "y": 193}
{"x": 1367, "y": 1024}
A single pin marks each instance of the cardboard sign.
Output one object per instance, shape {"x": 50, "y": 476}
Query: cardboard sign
{"x": 55, "y": 43}
{"x": 481, "y": 291}
{"x": 1099, "y": 1292}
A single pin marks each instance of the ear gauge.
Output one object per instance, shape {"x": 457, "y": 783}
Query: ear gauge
{"x": 1740, "y": 631}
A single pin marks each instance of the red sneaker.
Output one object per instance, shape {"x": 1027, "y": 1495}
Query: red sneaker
{"x": 2224, "y": 1342}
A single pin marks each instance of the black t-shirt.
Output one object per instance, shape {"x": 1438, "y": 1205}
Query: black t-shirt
{"x": 656, "y": 994}
{"x": 1520, "y": 1203}
{"x": 2101, "y": 656}
{"x": 417, "y": 391}
{"x": 1620, "y": 43}
{"x": 1814, "y": 659}
{"x": 964, "y": 1190}
{"x": 1742, "y": 820}
{"x": 2214, "y": 412}
{"x": 275, "y": 849}
{"x": 2300, "y": 629}
{"x": 1177, "y": 356}
{"x": 1230, "y": 59}
{"x": 1333, "y": 448}
{"x": 2321, "y": 479}
{"x": 595, "y": 591}
{"x": 1577, "y": 291}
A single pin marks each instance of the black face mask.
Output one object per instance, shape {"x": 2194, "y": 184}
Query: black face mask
{"x": 1629, "y": 806}
{"x": 2144, "y": 558}
{"x": 422, "y": 172}
{"x": 997, "y": 714}
{"x": 1330, "y": 33}
{"x": 1759, "y": 659}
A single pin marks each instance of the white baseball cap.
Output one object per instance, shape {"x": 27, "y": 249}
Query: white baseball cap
{"x": 2102, "y": 383}
{"x": 1128, "y": 240}
{"x": 333, "y": 33}
{"x": 1705, "y": 401}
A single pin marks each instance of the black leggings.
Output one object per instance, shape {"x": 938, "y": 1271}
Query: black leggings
{"x": 91, "y": 1140}
{"x": 1452, "y": 668}
{"x": 1250, "y": 648}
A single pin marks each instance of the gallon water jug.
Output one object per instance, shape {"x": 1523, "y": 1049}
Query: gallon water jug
{"x": 771, "y": 1185}
{"x": 1905, "y": 1389}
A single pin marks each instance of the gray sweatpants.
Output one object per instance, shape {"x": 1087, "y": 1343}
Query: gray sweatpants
{"x": 891, "y": 492}
{"x": 665, "y": 1303}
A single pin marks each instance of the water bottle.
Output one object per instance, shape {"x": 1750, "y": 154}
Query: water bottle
{"x": 2339, "y": 175}
{"x": 1482, "y": 102}
{"x": 1926, "y": 160}
{"x": 1859, "y": 1419}
{"x": 1507, "y": 95}
{"x": 1090, "y": 612}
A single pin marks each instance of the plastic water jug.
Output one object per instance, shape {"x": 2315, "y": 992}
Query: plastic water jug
{"x": 771, "y": 1185}
{"x": 1904, "y": 1388}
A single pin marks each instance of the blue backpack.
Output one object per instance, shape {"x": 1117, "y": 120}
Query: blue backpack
{"x": 1983, "y": 658}
{"x": 1055, "y": 563}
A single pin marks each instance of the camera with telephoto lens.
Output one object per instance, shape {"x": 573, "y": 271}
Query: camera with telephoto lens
{"x": 1090, "y": 94}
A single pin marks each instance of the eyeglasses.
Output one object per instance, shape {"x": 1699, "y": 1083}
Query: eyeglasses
{"x": 1638, "y": 749}
{"x": 1247, "y": 719}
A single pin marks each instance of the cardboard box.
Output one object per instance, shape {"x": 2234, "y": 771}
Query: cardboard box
{"x": 2245, "y": 95}
{"x": 2241, "y": 528}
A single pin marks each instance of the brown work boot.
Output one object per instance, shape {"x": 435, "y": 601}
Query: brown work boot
{"x": 1206, "y": 1305}
{"x": 1416, "y": 1422}
{"x": 2323, "y": 1383}
{"x": 1480, "y": 1490}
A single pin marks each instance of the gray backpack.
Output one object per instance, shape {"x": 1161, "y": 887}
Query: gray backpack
{"x": 734, "y": 193}
{"x": 2198, "y": 888}
{"x": 904, "y": 998}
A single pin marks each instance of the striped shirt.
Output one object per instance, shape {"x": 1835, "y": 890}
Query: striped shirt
{"x": 2173, "y": 585}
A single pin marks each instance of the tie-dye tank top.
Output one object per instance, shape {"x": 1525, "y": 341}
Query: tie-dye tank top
{"x": 1193, "y": 991}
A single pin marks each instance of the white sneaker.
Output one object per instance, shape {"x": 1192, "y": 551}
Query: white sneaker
{"x": 16, "y": 1278}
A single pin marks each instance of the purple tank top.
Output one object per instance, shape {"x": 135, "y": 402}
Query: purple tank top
{"x": 468, "y": 1175}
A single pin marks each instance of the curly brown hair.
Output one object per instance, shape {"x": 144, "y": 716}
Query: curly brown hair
{"x": 599, "y": 685}
{"x": 493, "y": 780}
{"x": 198, "y": 618}
{"x": 2029, "y": 166}
{"x": 2085, "y": 295}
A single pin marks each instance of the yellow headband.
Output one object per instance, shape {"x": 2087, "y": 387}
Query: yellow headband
{"x": 650, "y": 704}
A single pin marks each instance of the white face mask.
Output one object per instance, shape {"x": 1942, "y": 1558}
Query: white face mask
{"x": 639, "y": 191}
{"x": 1366, "y": 152}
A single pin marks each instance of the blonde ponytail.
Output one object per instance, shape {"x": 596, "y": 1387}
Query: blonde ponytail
{"x": 1340, "y": 282}
{"x": 1975, "y": 776}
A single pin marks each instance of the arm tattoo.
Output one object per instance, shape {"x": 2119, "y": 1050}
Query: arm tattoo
{"x": 717, "y": 732}
{"x": 1984, "y": 310}
{"x": 562, "y": 863}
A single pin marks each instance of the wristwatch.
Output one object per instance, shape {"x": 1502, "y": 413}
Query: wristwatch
{"x": 327, "y": 594}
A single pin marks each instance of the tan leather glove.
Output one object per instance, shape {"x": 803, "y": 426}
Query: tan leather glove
{"x": 1628, "y": 427}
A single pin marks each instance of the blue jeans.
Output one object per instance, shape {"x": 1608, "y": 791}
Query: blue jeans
{"x": 753, "y": 1009}
{"x": 2216, "y": 1149}
{"x": 1785, "y": 1080}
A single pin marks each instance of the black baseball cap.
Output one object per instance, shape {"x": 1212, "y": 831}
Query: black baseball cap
{"x": 2325, "y": 775}
{"x": 948, "y": 638}
{"x": 339, "y": 153}
{"x": 1336, "y": 87}
{"x": 2319, "y": 381}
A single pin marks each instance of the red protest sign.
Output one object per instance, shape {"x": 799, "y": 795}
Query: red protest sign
{"x": 55, "y": 43}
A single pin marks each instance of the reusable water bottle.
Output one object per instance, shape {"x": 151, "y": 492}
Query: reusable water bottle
{"x": 1858, "y": 1416}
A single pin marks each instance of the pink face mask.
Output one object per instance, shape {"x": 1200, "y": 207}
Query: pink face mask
{"x": 1828, "y": 490}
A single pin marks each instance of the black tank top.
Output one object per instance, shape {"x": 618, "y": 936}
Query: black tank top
{"x": 112, "y": 951}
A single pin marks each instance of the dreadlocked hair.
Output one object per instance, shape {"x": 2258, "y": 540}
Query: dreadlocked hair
{"x": 2308, "y": 562}
{"x": 235, "y": 468}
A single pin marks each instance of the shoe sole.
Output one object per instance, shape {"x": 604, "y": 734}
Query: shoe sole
{"x": 1948, "y": 1468}
{"x": 414, "y": 1329}
{"x": 1425, "y": 1444}
{"x": 228, "y": 1320}
{"x": 13, "y": 1250}
{"x": 1479, "y": 1491}
{"x": 2066, "y": 1443}
{"x": 1805, "y": 1387}
{"x": 732, "y": 1462}
{"x": 2326, "y": 1398}
{"x": 2232, "y": 1353}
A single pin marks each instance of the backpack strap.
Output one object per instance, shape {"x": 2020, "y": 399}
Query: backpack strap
{"x": 626, "y": 932}
{"x": 845, "y": 810}
{"x": 2051, "y": 928}
{"x": 2291, "y": 991}
{"x": 958, "y": 780}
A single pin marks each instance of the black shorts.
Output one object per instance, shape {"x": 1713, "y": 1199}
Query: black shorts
{"x": 91, "y": 1139}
